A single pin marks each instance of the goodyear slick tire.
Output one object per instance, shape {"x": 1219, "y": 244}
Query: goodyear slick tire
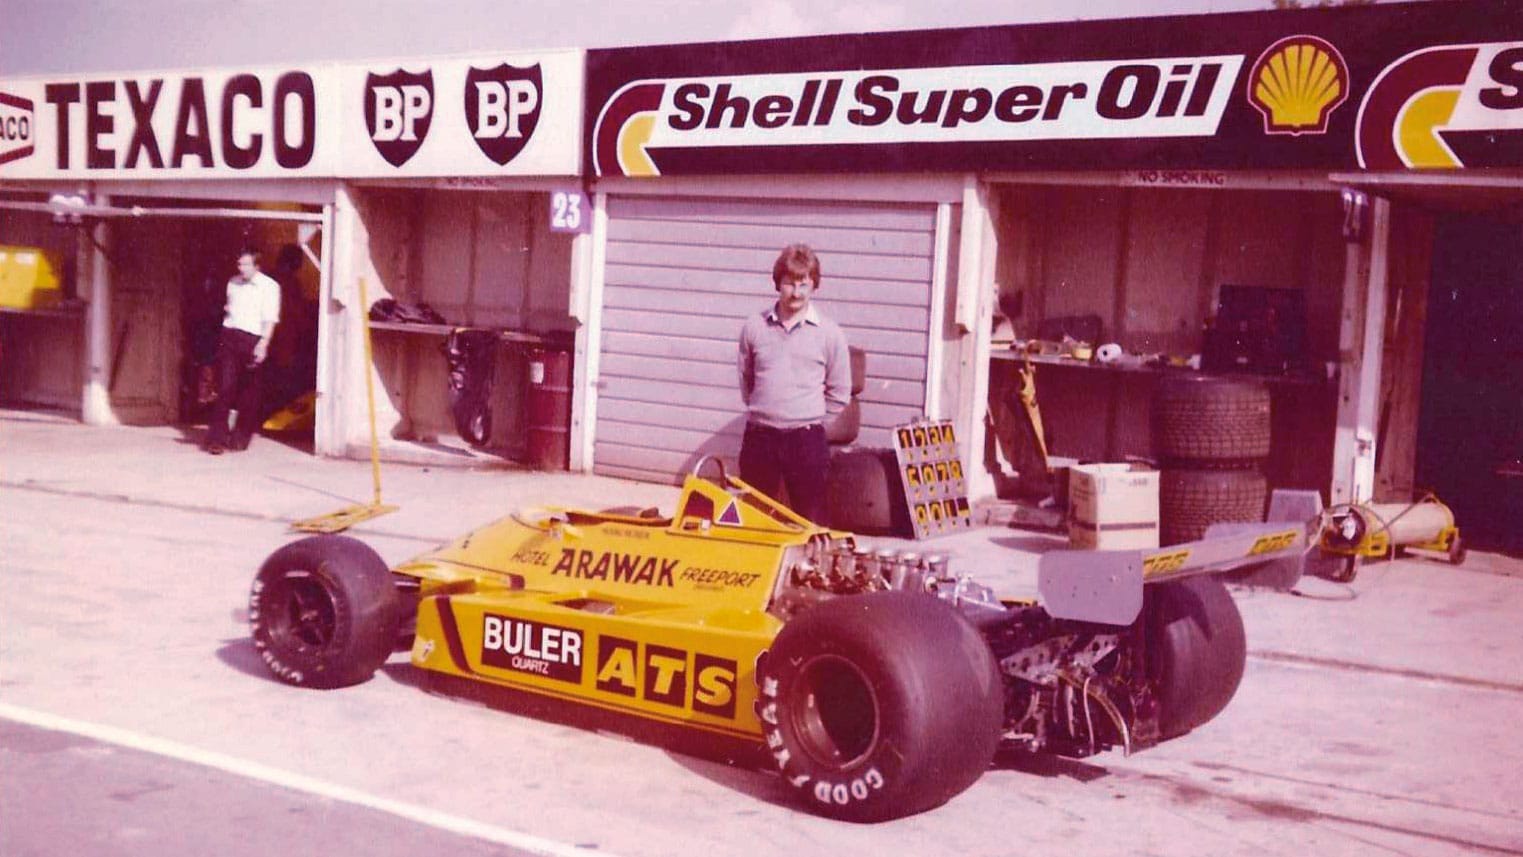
{"x": 1196, "y": 651}
{"x": 843, "y": 427}
{"x": 1210, "y": 422}
{"x": 323, "y": 612}
{"x": 879, "y": 706}
{"x": 1189, "y": 501}
{"x": 863, "y": 493}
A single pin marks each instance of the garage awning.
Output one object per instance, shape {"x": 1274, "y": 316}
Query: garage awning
{"x": 1447, "y": 190}
{"x": 76, "y": 205}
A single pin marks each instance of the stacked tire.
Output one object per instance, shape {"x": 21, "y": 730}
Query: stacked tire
{"x": 843, "y": 427}
{"x": 1211, "y": 436}
{"x": 863, "y": 493}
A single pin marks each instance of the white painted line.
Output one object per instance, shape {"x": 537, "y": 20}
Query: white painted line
{"x": 298, "y": 782}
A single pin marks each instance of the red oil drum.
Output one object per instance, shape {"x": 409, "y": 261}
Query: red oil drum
{"x": 549, "y": 408}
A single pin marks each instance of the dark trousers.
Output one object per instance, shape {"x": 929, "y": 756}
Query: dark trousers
{"x": 796, "y": 458}
{"x": 238, "y": 387}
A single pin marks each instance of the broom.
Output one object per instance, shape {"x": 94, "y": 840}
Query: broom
{"x": 343, "y": 519}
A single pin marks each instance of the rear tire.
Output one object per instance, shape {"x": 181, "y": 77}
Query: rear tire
{"x": 881, "y": 705}
{"x": 323, "y": 612}
{"x": 1196, "y": 651}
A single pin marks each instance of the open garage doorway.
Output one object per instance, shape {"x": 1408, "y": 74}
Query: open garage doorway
{"x": 209, "y": 251}
{"x": 1470, "y": 424}
{"x": 143, "y": 307}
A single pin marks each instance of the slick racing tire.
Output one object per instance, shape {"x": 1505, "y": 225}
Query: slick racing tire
{"x": 863, "y": 493}
{"x": 879, "y": 706}
{"x": 1196, "y": 651}
{"x": 1189, "y": 501}
{"x": 323, "y": 612}
{"x": 1212, "y": 422}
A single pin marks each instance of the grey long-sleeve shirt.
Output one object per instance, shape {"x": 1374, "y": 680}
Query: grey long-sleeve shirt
{"x": 792, "y": 377}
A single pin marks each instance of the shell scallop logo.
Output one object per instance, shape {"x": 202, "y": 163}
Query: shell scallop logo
{"x": 1297, "y": 84}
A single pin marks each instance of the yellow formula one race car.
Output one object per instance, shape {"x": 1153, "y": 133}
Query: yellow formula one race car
{"x": 877, "y": 684}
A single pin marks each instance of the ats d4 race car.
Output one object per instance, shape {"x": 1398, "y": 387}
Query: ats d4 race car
{"x": 877, "y": 684}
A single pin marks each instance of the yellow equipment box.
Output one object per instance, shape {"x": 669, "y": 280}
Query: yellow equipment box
{"x": 28, "y": 278}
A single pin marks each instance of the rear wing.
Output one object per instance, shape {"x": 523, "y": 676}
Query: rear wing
{"x": 1106, "y": 586}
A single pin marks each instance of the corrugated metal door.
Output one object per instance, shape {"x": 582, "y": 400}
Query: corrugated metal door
{"x": 682, "y": 274}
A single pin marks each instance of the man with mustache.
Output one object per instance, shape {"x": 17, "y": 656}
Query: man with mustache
{"x": 795, "y": 372}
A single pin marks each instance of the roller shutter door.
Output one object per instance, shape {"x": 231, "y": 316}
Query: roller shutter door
{"x": 682, "y": 274}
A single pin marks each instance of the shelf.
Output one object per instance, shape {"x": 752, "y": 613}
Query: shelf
{"x": 521, "y": 337}
{"x": 74, "y": 312}
{"x": 1014, "y": 356}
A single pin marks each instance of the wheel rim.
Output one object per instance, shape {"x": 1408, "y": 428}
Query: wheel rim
{"x": 834, "y": 712}
{"x": 304, "y": 615}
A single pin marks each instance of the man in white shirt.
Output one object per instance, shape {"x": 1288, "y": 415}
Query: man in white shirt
{"x": 253, "y": 310}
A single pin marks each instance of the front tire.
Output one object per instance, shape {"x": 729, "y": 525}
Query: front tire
{"x": 323, "y": 612}
{"x": 881, "y": 705}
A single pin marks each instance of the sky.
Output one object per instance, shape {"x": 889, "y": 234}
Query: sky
{"x": 49, "y": 36}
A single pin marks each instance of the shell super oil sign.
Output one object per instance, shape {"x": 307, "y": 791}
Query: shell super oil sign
{"x": 1375, "y": 86}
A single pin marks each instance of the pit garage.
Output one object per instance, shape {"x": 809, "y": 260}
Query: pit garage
{"x": 482, "y": 258}
{"x": 682, "y": 272}
{"x": 160, "y": 178}
{"x": 1398, "y": 295}
{"x": 465, "y": 222}
{"x": 1134, "y": 206}
{"x": 1451, "y": 391}
{"x": 42, "y": 332}
{"x": 151, "y": 183}
{"x": 141, "y": 298}
{"x": 1142, "y": 265}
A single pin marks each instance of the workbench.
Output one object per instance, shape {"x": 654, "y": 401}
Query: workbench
{"x": 1071, "y": 393}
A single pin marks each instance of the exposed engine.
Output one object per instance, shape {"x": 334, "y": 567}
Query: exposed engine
{"x": 1072, "y": 688}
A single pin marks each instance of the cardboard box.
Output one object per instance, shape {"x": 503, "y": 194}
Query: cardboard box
{"x": 1113, "y": 506}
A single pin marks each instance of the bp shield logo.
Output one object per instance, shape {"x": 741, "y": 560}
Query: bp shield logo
{"x": 399, "y": 107}
{"x": 502, "y": 108}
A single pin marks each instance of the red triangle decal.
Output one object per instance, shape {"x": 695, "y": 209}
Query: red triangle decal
{"x": 730, "y": 515}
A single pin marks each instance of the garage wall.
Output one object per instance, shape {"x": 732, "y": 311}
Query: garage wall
{"x": 166, "y": 275}
{"x": 1149, "y": 262}
{"x": 147, "y": 259}
{"x": 41, "y": 359}
{"x": 481, "y": 259}
{"x": 1401, "y": 368}
{"x": 489, "y": 259}
{"x": 682, "y": 274}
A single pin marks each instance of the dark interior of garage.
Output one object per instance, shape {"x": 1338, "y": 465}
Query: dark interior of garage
{"x": 1470, "y": 425}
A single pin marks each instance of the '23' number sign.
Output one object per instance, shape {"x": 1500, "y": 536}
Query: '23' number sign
{"x": 569, "y": 212}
